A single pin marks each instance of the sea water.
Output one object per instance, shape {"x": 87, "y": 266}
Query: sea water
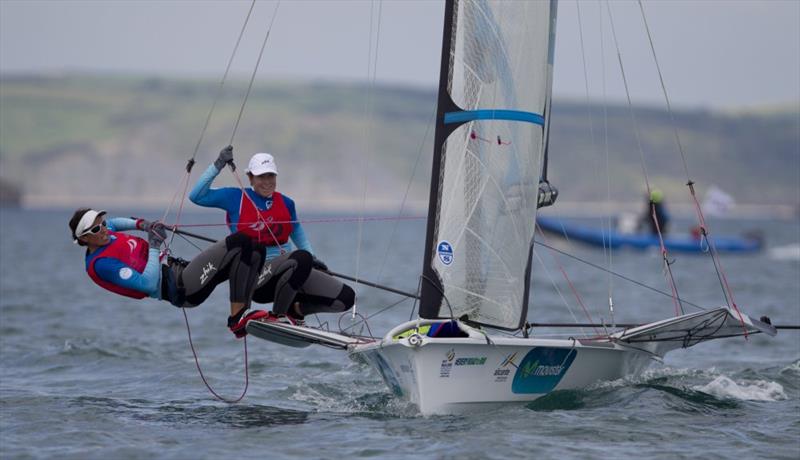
{"x": 88, "y": 374}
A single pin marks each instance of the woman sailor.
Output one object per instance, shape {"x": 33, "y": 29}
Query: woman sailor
{"x": 131, "y": 266}
{"x": 269, "y": 218}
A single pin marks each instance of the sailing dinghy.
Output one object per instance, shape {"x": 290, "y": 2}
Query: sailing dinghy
{"x": 489, "y": 156}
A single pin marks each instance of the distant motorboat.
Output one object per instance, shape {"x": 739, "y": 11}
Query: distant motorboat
{"x": 611, "y": 238}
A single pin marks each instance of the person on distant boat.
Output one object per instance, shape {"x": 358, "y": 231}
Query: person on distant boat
{"x": 130, "y": 266}
{"x": 655, "y": 203}
{"x": 269, "y": 218}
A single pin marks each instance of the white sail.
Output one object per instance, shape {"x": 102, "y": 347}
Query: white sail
{"x": 497, "y": 89}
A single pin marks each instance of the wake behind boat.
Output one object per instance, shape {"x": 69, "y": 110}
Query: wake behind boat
{"x": 687, "y": 243}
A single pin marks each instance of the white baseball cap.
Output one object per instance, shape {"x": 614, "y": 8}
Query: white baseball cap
{"x": 262, "y": 163}
{"x": 86, "y": 222}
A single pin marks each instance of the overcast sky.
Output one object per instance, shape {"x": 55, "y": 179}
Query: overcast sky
{"x": 719, "y": 54}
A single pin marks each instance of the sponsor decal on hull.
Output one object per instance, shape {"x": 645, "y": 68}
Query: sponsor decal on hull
{"x": 447, "y": 364}
{"x": 451, "y": 360}
{"x": 541, "y": 370}
{"x": 504, "y": 369}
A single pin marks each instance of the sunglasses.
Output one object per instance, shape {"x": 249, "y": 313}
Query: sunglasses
{"x": 95, "y": 230}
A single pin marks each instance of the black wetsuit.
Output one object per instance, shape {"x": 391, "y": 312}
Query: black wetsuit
{"x": 235, "y": 259}
{"x": 290, "y": 278}
{"x": 282, "y": 281}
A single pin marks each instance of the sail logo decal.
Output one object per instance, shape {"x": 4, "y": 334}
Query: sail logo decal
{"x": 445, "y": 251}
{"x": 133, "y": 244}
{"x": 542, "y": 369}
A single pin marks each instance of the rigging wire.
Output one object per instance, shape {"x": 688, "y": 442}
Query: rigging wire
{"x": 618, "y": 275}
{"x": 558, "y": 290}
{"x": 405, "y": 195}
{"x": 261, "y": 222}
{"x": 726, "y": 290}
{"x": 605, "y": 223}
{"x": 372, "y": 70}
{"x": 191, "y": 161}
{"x": 255, "y": 71}
{"x": 569, "y": 281}
{"x": 185, "y": 184}
{"x": 189, "y": 166}
{"x": 664, "y": 254}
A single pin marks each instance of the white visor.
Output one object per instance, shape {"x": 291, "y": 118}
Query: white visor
{"x": 86, "y": 222}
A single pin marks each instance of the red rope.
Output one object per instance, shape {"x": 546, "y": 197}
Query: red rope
{"x": 315, "y": 221}
{"x": 724, "y": 279}
{"x": 664, "y": 255}
{"x": 197, "y": 363}
{"x": 569, "y": 281}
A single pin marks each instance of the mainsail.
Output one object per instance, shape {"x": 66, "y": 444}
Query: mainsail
{"x": 494, "y": 93}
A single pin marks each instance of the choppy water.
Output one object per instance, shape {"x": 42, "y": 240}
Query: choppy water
{"x": 87, "y": 374}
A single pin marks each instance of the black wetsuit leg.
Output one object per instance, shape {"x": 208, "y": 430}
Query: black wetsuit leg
{"x": 289, "y": 278}
{"x": 282, "y": 278}
{"x": 235, "y": 259}
{"x": 323, "y": 293}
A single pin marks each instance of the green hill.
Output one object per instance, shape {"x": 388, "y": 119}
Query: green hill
{"x": 96, "y": 140}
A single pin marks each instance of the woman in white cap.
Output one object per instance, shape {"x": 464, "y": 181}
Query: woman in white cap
{"x": 269, "y": 218}
{"x": 273, "y": 219}
{"x": 130, "y": 266}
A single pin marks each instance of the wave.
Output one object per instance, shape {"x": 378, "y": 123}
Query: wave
{"x": 757, "y": 390}
{"x": 690, "y": 390}
{"x": 790, "y": 252}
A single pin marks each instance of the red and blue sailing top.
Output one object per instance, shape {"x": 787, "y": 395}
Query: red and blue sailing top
{"x": 278, "y": 217}
{"x": 270, "y": 226}
{"x": 126, "y": 265}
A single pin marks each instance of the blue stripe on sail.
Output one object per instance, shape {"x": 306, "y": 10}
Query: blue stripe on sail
{"x": 513, "y": 115}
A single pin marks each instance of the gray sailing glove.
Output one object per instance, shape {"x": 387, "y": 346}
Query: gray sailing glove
{"x": 225, "y": 157}
{"x": 156, "y": 235}
{"x": 143, "y": 224}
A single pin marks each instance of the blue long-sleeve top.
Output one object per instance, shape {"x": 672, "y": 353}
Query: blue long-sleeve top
{"x": 116, "y": 272}
{"x": 229, "y": 199}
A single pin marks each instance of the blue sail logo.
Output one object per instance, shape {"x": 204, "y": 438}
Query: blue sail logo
{"x": 445, "y": 251}
{"x": 542, "y": 369}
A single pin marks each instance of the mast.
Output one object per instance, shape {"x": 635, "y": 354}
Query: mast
{"x": 431, "y": 287}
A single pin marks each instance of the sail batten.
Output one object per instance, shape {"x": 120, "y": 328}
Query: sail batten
{"x": 490, "y": 137}
{"x": 493, "y": 114}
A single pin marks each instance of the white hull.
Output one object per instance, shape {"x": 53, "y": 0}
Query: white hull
{"x": 453, "y": 375}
